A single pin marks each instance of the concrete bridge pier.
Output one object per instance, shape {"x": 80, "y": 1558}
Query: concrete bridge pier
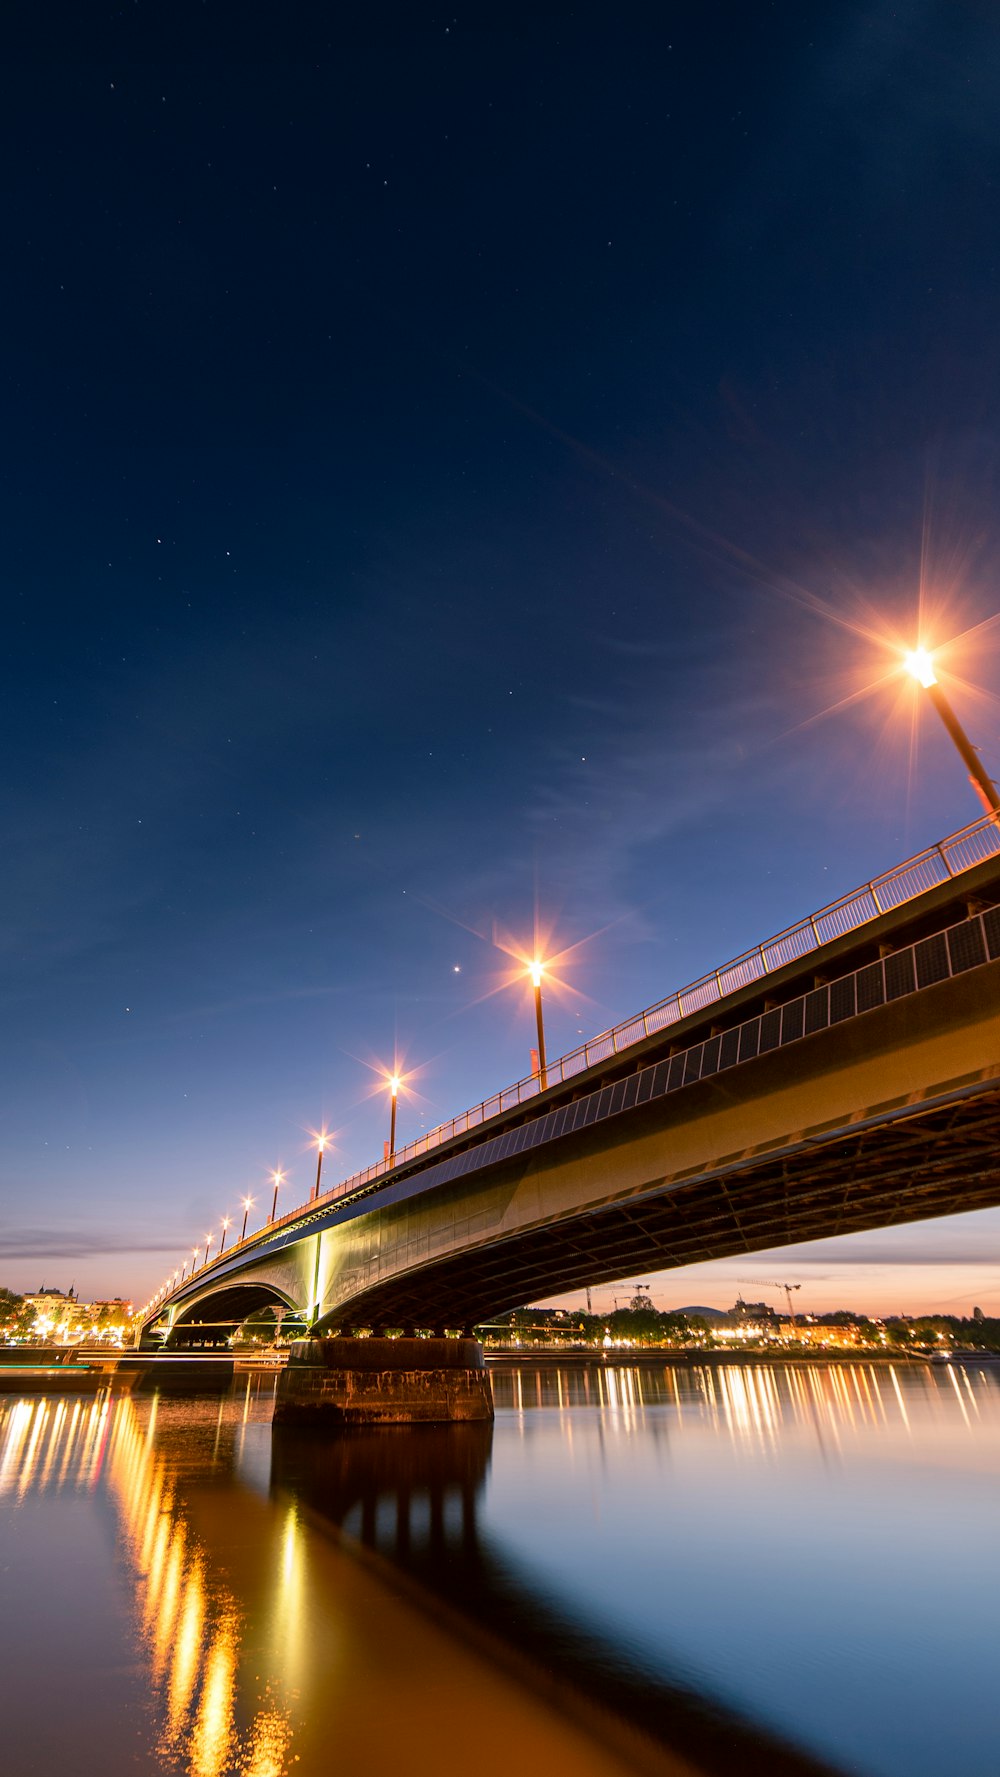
{"x": 377, "y": 1381}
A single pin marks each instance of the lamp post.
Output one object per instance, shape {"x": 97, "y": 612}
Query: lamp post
{"x": 536, "y": 970}
{"x": 247, "y": 1207}
{"x": 279, "y": 1179}
{"x": 195, "y": 1250}
{"x": 222, "y": 1243}
{"x": 321, "y": 1141}
{"x": 394, "y": 1084}
{"x": 208, "y": 1242}
{"x": 920, "y": 664}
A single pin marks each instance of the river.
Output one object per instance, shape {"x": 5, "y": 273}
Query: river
{"x": 679, "y": 1568}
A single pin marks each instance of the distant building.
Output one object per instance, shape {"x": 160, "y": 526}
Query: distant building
{"x": 63, "y": 1316}
{"x": 52, "y": 1302}
{"x": 758, "y": 1312}
{"x": 115, "y": 1309}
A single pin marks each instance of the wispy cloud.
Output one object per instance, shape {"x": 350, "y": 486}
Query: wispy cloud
{"x": 76, "y": 1243}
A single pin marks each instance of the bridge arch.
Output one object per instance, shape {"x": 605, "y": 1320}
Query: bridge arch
{"x": 213, "y": 1317}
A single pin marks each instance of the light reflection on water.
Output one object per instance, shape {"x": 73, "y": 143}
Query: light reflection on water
{"x": 191, "y": 1619}
{"x": 755, "y": 1404}
{"x": 187, "y": 1619}
{"x": 813, "y": 1547}
{"x": 226, "y": 1636}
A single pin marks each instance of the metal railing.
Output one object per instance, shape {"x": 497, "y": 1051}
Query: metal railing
{"x": 938, "y": 864}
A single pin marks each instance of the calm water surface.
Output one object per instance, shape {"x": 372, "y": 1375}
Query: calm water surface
{"x": 777, "y": 1568}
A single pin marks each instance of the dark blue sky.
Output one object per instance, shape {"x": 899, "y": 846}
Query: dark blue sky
{"x": 444, "y": 460}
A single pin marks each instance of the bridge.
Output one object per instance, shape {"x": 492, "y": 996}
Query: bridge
{"x": 844, "y": 1075}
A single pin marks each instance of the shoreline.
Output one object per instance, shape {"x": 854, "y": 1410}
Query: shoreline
{"x": 697, "y": 1358}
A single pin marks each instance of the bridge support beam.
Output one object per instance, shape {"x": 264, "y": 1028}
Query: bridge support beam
{"x": 334, "y": 1382}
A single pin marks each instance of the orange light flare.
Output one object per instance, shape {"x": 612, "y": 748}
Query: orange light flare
{"x": 553, "y": 961}
{"x": 543, "y": 966}
{"x": 945, "y": 663}
{"x": 323, "y": 1141}
{"x": 397, "y": 1079}
{"x": 910, "y": 667}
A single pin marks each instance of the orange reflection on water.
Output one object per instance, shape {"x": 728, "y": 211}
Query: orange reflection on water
{"x": 753, "y": 1406}
{"x": 191, "y": 1621}
{"x": 187, "y": 1649}
{"x": 46, "y": 1445}
{"x": 213, "y": 1732}
{"x": 270, "y": 1745}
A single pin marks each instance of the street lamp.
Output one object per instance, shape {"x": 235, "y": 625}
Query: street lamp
{"x": 279, "y": 1179}
{"x": 222, "y": 1243}
{"x": 195, "y": 1250}
{"x": 395, "y": 1082}
{"x": 247, "y": 1207}
{"x": 321, "y": 1141}
{"x": 920, "y": 664}
{"x": 536, "y": 970}
{"x": 208, "y": 1242}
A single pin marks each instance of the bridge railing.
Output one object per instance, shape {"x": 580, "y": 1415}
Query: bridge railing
{"x": 938, "y": 864}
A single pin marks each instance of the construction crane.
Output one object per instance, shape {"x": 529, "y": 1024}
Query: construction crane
{"x": 640, "y": 1298}
{"x": 768, "y": 1283}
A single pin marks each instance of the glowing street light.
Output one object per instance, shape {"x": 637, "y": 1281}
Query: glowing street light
{"x": 279, "y": 1179}
{"x": 247, "y": 1207}
{"x": 536, "y": 970}
{"x": 195, "y": 1250}
{"x": 395, "y": 1082}
{"x": 222, "y": 1243}
{"x": 321, "y": 1141}
{"x": 208, "y": 1242}
{"x": 919, "y": 663}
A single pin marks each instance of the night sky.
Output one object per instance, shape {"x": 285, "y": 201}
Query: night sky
{"x": 453, "y": 468}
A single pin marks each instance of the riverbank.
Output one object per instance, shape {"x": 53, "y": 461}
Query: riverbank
{"x": 699, "y": 1356}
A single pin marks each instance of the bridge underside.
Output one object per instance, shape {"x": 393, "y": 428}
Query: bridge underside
{"x": 932, "y": 1162}
{"x": 214, "y": 1319}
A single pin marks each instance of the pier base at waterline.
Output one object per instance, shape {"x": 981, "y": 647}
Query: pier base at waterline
{"x": 383, "y": 1382}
